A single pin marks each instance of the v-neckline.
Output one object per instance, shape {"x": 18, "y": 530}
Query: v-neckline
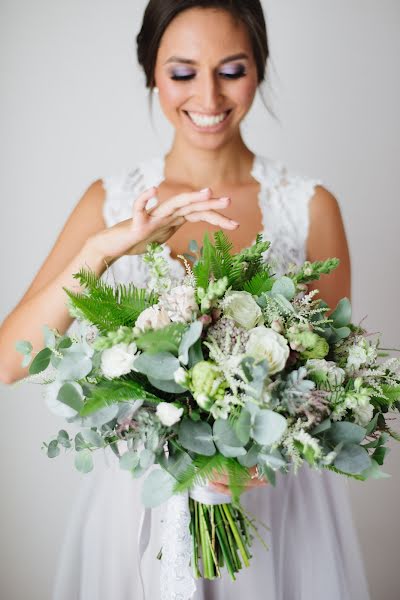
{"x": 256, "y": 171}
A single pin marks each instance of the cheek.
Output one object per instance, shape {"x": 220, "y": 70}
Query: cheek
{"x": 245, "y": 92}
{"x": 171, "y": 94}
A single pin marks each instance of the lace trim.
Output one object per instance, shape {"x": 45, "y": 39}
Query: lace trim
{"x": 283, "y": 199}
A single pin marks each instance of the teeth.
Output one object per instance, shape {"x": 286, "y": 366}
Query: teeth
{"x": 205, "y": 120}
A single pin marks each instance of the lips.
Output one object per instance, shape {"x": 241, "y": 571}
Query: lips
{"x": 207, "y": 121}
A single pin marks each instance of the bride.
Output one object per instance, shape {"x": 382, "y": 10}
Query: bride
{"x": 205, "y": 61}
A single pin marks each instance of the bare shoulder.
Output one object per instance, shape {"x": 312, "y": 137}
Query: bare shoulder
{"x": 85, "y": 219}
{"x": 327, "y": 239}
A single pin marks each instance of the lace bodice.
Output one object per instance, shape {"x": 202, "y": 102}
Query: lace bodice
{"x": 283, "y": 199}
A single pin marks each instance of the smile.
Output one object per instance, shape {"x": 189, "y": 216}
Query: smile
{"x": 207, "y": 121}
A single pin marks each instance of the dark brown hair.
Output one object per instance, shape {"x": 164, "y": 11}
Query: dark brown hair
{"x": 159, "y": 14}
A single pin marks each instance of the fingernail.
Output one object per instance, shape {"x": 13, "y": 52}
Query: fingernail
{"x": 151, "y": 203}
{"x": 234, "y": 222}
{"x": 204, "y": 190}
{"x": 225, "y": 198}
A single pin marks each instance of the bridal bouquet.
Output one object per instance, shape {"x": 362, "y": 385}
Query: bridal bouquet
{"x": 232, "y": 369}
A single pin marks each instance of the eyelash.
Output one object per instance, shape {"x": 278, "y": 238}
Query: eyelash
{"x": 224, "y": 75}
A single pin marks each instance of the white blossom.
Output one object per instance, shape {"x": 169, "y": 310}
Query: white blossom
{"x": 325, "y": 371}
{"x": 168, "y": 413}
{"x": 360, "y": 354}
{"x": 180, "y": 303}
{"x": 154, "y": 317}
{"x": 118, "y": 360}
{"x": 265, "y": 343}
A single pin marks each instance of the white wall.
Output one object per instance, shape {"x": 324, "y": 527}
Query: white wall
{"x": 73, "y": 108}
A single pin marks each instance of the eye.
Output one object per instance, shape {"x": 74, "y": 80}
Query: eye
{"x": 182, "y": 77}
{"x": 233, "y": 72}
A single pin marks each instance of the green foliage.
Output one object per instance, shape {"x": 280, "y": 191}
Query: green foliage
{"x": 40, "y": 362}
{"x": 204, "y": 468}
{"x": 312, "y": 271}
{"x": 107, "y": 307}
{"x": 240, "y": 269}
{"x": 167, "y": 339}
{"x": 259, "y": 283}
{"x": 108, "y": 392}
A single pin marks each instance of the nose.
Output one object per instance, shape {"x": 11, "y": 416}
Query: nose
{"x": 209, "y": 92}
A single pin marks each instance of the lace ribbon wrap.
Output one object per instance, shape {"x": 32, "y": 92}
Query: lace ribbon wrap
{"x": 176, "y": 577}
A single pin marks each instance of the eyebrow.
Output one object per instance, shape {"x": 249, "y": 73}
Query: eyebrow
{"x": 188, "y": 61}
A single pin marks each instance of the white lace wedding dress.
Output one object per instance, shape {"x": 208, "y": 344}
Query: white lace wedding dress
{"x": 313, "y": 551}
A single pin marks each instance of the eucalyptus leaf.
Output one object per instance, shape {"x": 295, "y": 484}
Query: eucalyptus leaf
{"x": 269, "y": 474}
{"x": 53, "y": 449}
{"x": 63, "y": 438}
{"x": 40, "y": 362}
{"x": 344, "y": 431}
{"x": 242, "y": 426}
{"x": 375, "y": 472}
{"x": 352, "y": 459}
{"x": 321, "y": 427}
{"x": 342, "y": 314}
{"x": 273, "y": 459}
{"x": 224, "y": 433}
{"x": 129, "y": 460}
{"x": 147, "y": 458}
{"x": 70, "y": 393}
{"x": 23, "y": 347}
{"x": 284, "y": 286}
{"x": 84, "y": 461}
{"x": 160, "y": 366}
{"x": 157, "y": 488}
{"x": 195, "y": 354}
{"x": 93, "y": 438}
{"x": 190, "y": 337}
{"x": 230, "y": 451}
{"x": 75, "y": 365}
{"x": 197, "y": 437}
{"x": 251, "y": 457}
{"x": 268, "y": 427}
{"x": 166, "y": 385}
{"x": 176, "y": 463}
{"x": 26, "y": 360}
{"x": 49, "y": 337}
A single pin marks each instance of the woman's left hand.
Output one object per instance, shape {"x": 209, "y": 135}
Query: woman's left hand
{"x": 220, "y": 482}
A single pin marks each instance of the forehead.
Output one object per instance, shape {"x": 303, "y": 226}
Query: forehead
{"x": 202, "y": 33}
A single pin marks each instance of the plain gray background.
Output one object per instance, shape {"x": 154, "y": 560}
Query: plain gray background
{"x": 74, "y": 108}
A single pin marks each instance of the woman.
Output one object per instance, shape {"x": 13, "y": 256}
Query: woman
{"x": 206, "y": 61}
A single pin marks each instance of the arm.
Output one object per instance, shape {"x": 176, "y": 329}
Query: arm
{"x": 327, "y": 238}
{"x": 45, "y": 301}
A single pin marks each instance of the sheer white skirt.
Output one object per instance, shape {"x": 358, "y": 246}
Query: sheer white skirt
{"x": 313, "y": 553}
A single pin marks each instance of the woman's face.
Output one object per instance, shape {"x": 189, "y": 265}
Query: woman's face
{"x": 206, "y": 75}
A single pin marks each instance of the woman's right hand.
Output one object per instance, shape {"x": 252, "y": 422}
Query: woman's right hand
{"x": 159, "y": 223}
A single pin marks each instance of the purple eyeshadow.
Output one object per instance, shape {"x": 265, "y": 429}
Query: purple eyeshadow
{"x": 233, "y": 70}
{"x": 182, "y": 72}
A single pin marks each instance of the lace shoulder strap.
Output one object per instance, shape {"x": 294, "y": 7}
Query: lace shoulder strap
{"x": 122, "y": 189}
{"x": 284, "y": 203}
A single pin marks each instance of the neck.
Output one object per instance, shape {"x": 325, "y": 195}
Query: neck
{"x": 230, "y": 164}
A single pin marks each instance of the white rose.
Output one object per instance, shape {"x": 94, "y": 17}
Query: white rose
{"x": 242, "y": 308}
{"x": 118, "y": 360}
{"x": 154, "y": 317}
{"x": 267, "y": 343}
{"x": 180, "y": 303}
{"x": 359, "y": 403}
{"x": 168, "y": 413}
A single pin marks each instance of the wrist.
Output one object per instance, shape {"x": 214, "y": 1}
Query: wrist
{"x": 93, "y": 257}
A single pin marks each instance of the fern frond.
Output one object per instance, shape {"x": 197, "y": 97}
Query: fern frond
{"x": 259, "y": 283}
{"x": 204, "y": 468}
{"x": 107, "y": 307}
{"x": 108, "y": 392}
{"x": 335, "y": 470}
{"x": 202, "y": 269}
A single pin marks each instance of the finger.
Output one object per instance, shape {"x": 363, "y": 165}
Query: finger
{"x": 201, "y": 206}
{"x": 213, "y": 218}
{"x": 220, "y": 487}
{"x": 140, "y": 203}
{"x": 168, "y": 207}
